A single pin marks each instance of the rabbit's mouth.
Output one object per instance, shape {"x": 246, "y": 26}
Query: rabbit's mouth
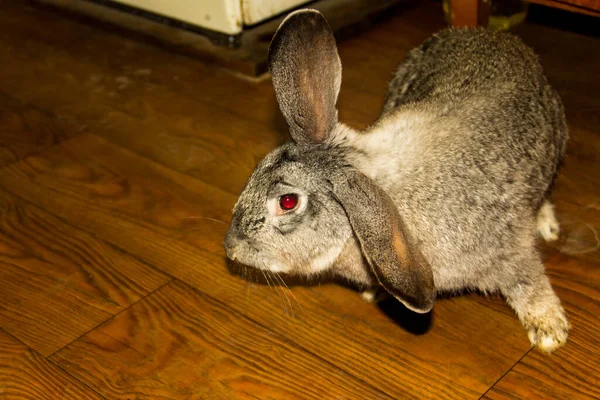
{"x": 245, "y": 253}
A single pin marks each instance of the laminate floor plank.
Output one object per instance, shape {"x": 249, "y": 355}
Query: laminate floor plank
{"x": 180, "y": 344}
{"x": 27, "y": 129}
{"x": 25, "y": 374}
{"x": 59, "y": 282}
{"x": 186, "y": 134}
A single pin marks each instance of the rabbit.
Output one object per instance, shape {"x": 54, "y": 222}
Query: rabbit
{"x": 445, "y": 192}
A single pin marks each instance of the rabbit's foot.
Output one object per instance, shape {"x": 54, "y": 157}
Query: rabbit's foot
{"x": 547, "y": 225}
{"x": 549, "y": 331}
{"x": 369, "y": 295}
{"x": 374, "y": 295}
{"x": 538, "y": 308}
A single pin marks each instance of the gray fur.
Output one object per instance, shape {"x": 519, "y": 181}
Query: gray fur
{"x": 467, "y": 147}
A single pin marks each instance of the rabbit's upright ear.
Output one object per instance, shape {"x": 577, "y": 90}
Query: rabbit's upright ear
{"x": 390, "y": 251}
{"x": 307, "y": 73}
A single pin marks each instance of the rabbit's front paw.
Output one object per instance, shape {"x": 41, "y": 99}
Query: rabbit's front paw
{"x": 549, "y": 331}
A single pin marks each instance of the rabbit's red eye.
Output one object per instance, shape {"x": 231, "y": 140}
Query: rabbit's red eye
{"x": 288, "y": 202}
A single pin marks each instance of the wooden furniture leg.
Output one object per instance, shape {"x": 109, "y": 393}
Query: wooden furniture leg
{"x": 469, "y": 12}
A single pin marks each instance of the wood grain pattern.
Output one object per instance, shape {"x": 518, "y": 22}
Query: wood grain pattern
{"x": 27, "y": 129}
{"x": 24, "y": 374}
{"x": 156, "y": 109}
{"x": 59, "y": 282}
{"x": 124, "y": 107}
{"x": 588, "y": 7}
{"x": 591, "y": 4}
{"x": 592, "y": 11}
{"x": 180, "y": 344}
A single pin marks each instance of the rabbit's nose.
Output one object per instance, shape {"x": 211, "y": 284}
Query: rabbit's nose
{"x": 229, "y": 244}
{"x": 232, "y": 241}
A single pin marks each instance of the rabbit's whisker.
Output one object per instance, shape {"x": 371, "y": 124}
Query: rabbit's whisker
{"x": 206, "y": 218}
{"x": 283, "y": 303}
{"x": 249, "y": 158}
{"x": 286, "y": 297}
{"x": 289, "y": 291}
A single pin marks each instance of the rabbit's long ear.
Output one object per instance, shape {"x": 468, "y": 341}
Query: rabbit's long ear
{"x": 307, "y": 73}
{"x": 390, "y": 251}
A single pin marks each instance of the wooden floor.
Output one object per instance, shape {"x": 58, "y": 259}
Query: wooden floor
{"x": 120, "y": 163}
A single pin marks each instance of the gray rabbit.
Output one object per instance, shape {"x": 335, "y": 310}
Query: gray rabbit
{"x": 445, "y": 192}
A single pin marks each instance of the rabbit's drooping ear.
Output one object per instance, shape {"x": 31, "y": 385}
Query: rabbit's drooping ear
{"x": 307, "y": 74}
{"x": 390, "y": 251}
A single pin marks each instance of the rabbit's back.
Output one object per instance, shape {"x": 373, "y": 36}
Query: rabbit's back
{"x": 457, "y": 63}
{"x": 478, "y": 134}
{"x": 490, "y": 111}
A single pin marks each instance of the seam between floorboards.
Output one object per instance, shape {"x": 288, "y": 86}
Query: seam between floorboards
{"x": 51, "y": 147}
{"x": 212, "y": 68}
{"x": 506, "y": 373}
{"x": 285, "y": 338}
{"x": 173, "y": 278}
{"x": 51, "y": 361}
{"x": 29, "y": 348}
{"x": 111, "y": 317}
{"x": 54, "y": 117}
{"x": 110, "y": 244}
{"x": 89, "y": 130}
{"x": 229, "y": 308}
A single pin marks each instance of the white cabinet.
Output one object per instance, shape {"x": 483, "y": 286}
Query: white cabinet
{"x": 225, "y": 16}
{"x": 255, "y": 11}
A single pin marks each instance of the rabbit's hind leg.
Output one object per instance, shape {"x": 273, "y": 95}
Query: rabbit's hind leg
{"x": 547, "y": 225}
